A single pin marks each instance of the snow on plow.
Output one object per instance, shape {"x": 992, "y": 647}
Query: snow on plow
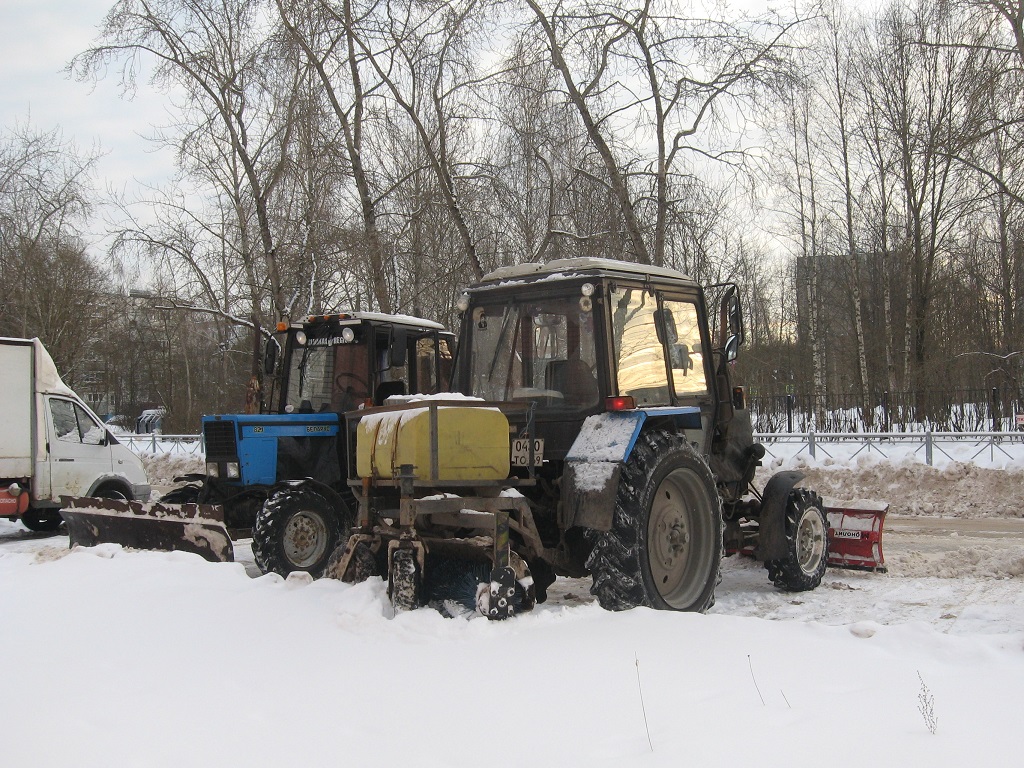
{"x": 855, "y": 535}
{"x": 196, "y": 528}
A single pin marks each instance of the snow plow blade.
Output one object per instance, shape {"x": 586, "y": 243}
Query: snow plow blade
{"x": 855, "y": 535}
{"x": 197, "y": 528}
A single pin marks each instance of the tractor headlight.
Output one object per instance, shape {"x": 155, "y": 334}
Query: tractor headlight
{"x": 587, "y": 289}
{"x": 233, "y": 471}
{"x": 300, "y": 338}
{"x": 348, "y": 335}
{"x": 463, "y": 302}
{"x": 212, "y": 469}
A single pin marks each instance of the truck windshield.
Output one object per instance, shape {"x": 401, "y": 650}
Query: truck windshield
{"x": 328, "y": 378}
{"x": 539, "y": 351}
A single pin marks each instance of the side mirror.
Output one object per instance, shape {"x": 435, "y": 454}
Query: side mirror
{"x": 398, "y": 349}
{"x": 270, "y": 357}
{"x": 665, "y": 326}
{"x": 732, "y": 348}
{"x": 732, "y": 320}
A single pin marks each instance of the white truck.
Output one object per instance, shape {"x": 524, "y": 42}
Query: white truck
{"x": 52, "y": 445}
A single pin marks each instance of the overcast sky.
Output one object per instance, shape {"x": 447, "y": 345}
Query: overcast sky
{"x": 39, "y": 38}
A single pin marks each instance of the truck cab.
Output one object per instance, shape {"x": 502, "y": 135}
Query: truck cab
{"x": 52, "y": 444}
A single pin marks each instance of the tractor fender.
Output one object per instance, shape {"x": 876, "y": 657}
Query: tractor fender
{"x": 593, "y": 465}
{"x": 590, "y": 476}
{"x": 772, "y": 520}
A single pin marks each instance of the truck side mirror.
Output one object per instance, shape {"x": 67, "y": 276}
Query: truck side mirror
{"x": 270, "y": 356}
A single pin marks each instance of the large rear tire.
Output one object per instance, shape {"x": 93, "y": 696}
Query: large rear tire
{"x": 297, "y": 530}
{"x": 806, "y": 544}
{"x": 664, "y": 549}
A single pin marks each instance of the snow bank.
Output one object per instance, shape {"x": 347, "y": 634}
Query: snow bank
{"x": 162, "y": 468}
{"x": 911, "y": 488}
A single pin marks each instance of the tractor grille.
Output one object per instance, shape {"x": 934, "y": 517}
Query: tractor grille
{"x": 220, "y": 441}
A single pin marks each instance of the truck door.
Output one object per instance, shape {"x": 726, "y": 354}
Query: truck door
{"x": 79, "y": 453}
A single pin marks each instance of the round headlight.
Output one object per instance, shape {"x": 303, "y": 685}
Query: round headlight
{"x": 463, "y": 302}
{"x": 300, "y": 338}
{"x": 586, "y": 303}
{"x": 348, "y": 335}
{"x": 587, "y": 289}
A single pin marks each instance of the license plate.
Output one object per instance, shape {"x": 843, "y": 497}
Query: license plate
{"x": 521, "y": 452}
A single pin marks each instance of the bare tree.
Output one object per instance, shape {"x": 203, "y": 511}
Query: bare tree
{"x": 667, "y": 75}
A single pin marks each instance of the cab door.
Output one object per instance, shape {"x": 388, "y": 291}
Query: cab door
{"x": 79, "y": 454}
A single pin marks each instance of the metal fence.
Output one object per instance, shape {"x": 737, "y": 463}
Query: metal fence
{"x": 968, "y": 410}
{"x": 928, "y": 447}
{"x": 175, "y": 444}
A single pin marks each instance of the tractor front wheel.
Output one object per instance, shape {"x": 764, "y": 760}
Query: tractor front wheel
{"x": 297, "y": 530}
{"x": 806, "y": 544}
{"x": 664, "y": 549}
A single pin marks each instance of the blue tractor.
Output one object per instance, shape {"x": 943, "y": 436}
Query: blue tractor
{"x": 280, "y": 476}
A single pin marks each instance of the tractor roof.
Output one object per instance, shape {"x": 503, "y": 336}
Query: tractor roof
{"x": 583, "y": 267}
{"x": 379, "y": 318}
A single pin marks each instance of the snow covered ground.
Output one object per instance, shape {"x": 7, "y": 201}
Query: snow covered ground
{"x": 151, "y": 659}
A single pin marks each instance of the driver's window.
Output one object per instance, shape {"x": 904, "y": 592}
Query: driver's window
{"x": 65, "y": 426}
{"x": 682, "y": 337}
{"x": 640, "y": 358}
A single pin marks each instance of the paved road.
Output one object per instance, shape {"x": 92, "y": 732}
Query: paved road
{"x": 986, "y": 528}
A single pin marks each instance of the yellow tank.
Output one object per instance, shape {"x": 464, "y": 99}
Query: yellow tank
{"x": 473, "y": 443}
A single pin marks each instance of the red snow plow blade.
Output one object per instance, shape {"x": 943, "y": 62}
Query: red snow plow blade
{"x": 197, "y": 528}
{"x": 855, "y": 535}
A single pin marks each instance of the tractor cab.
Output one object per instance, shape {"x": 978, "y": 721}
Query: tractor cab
{"x": 589, "y": 338}
{"x": 336, "y": 363}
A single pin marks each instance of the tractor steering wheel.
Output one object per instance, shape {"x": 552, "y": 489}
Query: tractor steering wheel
{"x": 342, "y": 377}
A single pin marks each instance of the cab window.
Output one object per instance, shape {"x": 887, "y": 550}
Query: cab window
{"x": 71, "y": 423}
{"x": 639, "y": 355}
{"x": 685, "y": 350}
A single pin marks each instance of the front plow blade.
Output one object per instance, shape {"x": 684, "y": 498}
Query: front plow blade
{"x": 197, "y": 528}
{"x": 855, "y": 536}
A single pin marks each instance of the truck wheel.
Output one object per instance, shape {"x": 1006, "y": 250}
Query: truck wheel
{"x": 42, "y": 520}
{"x": 806, "y": 544}
{"x": 297, "y": 530}
{"x": 664, "y": 549}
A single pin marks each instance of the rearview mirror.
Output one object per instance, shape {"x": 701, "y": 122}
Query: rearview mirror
{"x": 732, "y": 319}
{"x": 398, "y": 352}
{"x": 270, "y": 357}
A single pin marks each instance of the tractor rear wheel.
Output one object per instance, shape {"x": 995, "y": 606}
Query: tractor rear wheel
{"x": 297, "y": 530}
{"x": 664, "y": 549}
{"x": 806, "y": 544}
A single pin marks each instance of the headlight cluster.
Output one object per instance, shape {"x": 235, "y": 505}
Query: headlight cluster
{"x": 231, "y": 470}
